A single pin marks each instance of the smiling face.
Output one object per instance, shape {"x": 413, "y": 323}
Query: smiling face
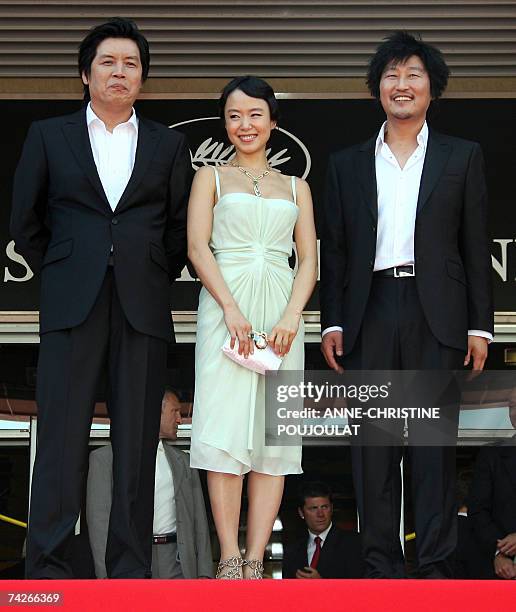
{"x": 115, "y": 77}
{"x": 405, "y": 90}
{"x": 248, "y": 122}
{"x": 317, "y": 512}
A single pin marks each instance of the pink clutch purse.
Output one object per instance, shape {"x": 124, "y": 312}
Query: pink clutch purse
{"x": 263, "y": 360}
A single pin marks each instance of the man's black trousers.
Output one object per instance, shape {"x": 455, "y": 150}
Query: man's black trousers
{"x": 71, "y": 364}
{"x": 396, "y": 336}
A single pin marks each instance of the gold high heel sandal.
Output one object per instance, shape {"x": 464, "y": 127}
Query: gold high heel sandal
{"x": 256, "y": 567}
{"x": 230, "y": 569}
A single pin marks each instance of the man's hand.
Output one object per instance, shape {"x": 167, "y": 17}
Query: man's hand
{"x": 507, "y": 545}
{"x": 504, "y": 567}
{"x": 332, "y": 345}
{"x": 309, "y": 572}
{"x": 477, "y": 348}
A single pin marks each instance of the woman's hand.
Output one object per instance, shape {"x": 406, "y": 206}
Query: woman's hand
{"x": 239, "y": 329}
{"x": 283, "y": 333}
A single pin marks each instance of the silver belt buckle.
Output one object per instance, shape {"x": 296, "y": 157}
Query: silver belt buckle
{"x": 402, "y": 273}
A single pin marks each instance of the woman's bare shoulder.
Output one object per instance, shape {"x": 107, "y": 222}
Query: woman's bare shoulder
{"x": 204, "y": 171}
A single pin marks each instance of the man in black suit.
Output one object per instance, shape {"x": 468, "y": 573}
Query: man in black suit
{"x": 406, "y": 284}
{"x": 327, "y": 552}
{"x": 99, "y": 208}
{"x": 492, "y": 505}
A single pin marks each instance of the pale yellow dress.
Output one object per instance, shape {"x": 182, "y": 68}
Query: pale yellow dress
{"x": 252, "y": 239}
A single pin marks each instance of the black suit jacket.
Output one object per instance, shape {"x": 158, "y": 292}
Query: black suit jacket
{"x": 471, "y": 561}
{"x": 492, "y": 498}
{"x": 64, "y": 226}
{"x": 452, "y": 256}
{"x": 341, "y": 556}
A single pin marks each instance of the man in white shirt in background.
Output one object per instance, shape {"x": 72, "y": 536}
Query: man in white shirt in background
{"x": 181, "y": 541}
{"x": 406, "y": 285}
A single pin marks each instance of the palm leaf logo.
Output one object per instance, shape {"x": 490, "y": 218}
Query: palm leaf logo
{"x": 212, "y": 153}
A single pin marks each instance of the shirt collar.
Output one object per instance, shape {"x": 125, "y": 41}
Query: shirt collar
{"x": 91, "y": 117}
{"x": 422, "y": 137}
{"x": 322, "y": 535}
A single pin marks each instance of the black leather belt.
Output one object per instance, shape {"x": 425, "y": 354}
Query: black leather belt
{"x": 397, "y": 272}
{"x": 164, "y": 539}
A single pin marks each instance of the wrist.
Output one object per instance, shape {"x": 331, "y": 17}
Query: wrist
{"x": 229, "y": 307}
{"x": 294, "y": 311}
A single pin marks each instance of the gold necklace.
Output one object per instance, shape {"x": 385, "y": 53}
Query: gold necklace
{"x": 255, "y": 179}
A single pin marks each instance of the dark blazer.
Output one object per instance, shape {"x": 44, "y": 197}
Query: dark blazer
{"x": 341, "y": 556}
{"x": 452, "y": 256}
{"x": 471, "y": 561}
{"x": 64, "y": 226}
{"x": 492, "y": 498}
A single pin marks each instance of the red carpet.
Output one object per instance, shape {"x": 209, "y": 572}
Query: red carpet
{"x": 251, "y": 596}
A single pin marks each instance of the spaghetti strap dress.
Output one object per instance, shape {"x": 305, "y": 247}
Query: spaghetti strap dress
{"x": 251, "y": 240}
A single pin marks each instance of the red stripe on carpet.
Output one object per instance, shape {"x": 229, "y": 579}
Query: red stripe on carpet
{"x": 254, "y": 596}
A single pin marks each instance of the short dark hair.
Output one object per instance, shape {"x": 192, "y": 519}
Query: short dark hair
{"x": 313, "y": 488}
{"x": 255, "y": 88}
{"x": 398, "y": 47}
{"x": 118, "y": 27}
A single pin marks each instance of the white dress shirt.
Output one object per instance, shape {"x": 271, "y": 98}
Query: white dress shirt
{"x": 397, "y": 193}
{"x": 164, "y": 498}
{"x": 310, "y": 549}
{"x": 114, "y": 153}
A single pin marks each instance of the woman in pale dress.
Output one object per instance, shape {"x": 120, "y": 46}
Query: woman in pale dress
{"x": 241, "y": 220}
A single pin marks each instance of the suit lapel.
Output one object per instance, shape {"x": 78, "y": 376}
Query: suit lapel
{"x": 366, "y": 173}
{"x": 437, "y": 154}
{"x": 327, "y": 550}
{"x": 76, "y": 133}
{"x": 177, "y": 467}
{"x": 302, "y": 553}
{"x": 148, "y": 138}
